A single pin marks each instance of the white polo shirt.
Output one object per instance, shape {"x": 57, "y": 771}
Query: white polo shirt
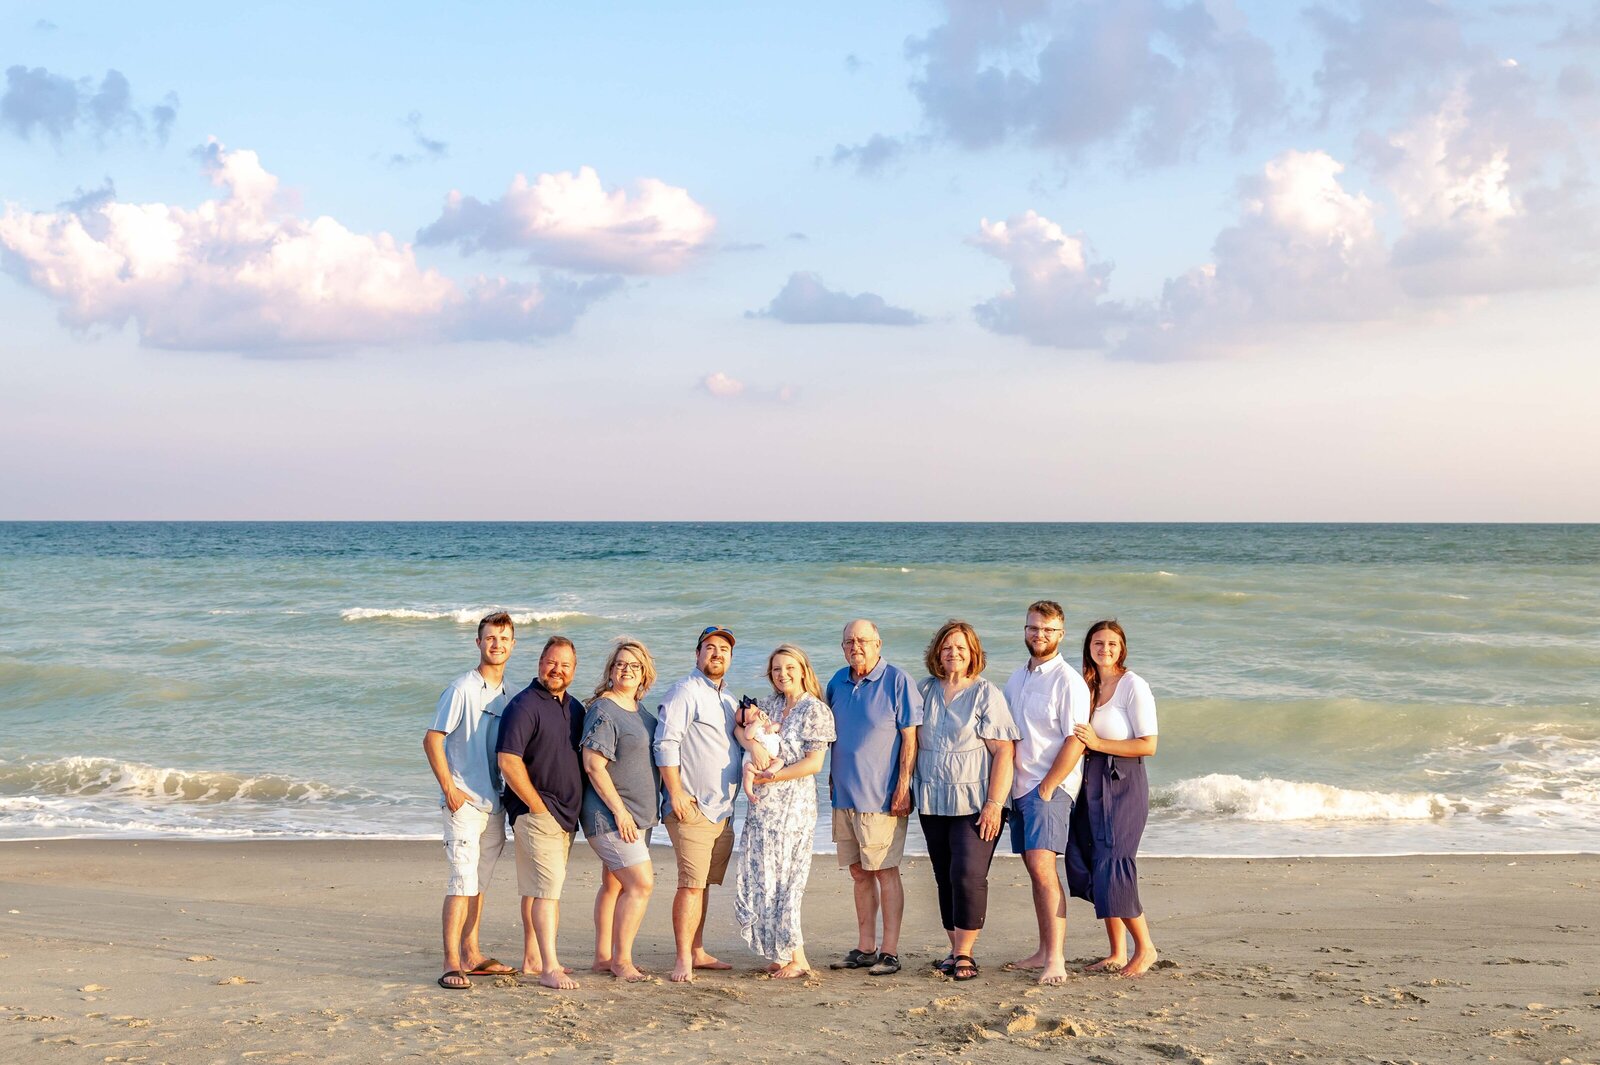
{"x": 469, "y": 716}
{"x": 1045, "y": 703}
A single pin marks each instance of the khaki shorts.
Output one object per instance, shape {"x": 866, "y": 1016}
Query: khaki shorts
{"x": 702, "y": 847}
{"x": 876, "y": 841}
{"x": 542, "y": 849}
{"x": 472, "y": 844}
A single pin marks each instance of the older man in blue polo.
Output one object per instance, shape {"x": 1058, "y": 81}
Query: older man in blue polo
{"x": 876, "y": 711}
{"x": 700, "y": 770}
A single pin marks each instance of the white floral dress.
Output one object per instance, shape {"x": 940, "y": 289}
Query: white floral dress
{"x": 778, "y": 833}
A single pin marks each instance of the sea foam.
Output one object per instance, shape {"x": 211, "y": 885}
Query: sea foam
{"x": 470, "y": 615}
{"x": 1266, "y": 799}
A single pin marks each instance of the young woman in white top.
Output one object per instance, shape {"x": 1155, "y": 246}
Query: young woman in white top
{"x": 1109, "y": 817}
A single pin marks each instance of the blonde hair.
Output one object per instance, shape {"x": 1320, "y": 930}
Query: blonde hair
{"x": 808, "y": 676}
{"x": 647, "y": 674}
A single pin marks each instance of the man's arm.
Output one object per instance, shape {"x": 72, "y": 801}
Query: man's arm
{"x": 671, "y": 724}
{"x": 900, "y": 802}
{"x": 433, "y": 747}
{"x": 515, "y": 773}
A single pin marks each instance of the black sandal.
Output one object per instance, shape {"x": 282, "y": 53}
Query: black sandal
{"x": 856, "y": 959}
{"x": 944, "y": 964}
{"x": 888, "y": 965}
{"x": 964, "y": 968}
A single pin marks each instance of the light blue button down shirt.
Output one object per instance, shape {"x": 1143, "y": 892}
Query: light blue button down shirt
{"x": 469, "y": 716}
{"x": 694, "y": 731}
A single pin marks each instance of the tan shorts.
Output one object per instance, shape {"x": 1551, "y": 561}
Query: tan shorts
{"x": 702, "y": 847}
{"x": 877, "y": 841}
{"x": 542, "y": 849}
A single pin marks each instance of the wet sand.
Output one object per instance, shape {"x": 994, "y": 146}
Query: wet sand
{"x": 193, "y": 952}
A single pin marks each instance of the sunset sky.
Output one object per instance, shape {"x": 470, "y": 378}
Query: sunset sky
{"x": 1019, "y": 260}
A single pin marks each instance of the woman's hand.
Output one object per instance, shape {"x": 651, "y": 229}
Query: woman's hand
{"x": 989, "y": 821}
{"x": 1086, "y": 735}
{"x": 627, "y": 826}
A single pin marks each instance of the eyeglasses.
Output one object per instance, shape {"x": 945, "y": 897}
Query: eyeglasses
{"x": 861, "y": 641}
{"x": 627, "y": 667}
{"x": 1034, "y": 630}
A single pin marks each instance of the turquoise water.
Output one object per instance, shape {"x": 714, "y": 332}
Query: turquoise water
{"x": 1322, "y": 689}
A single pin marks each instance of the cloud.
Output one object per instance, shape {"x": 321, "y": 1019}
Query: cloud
{"x": 805, "y": 300}
{"x": 37, "y": 101}
{"x": 571, "y": 221}
{"x": 241, "y": 273}
{"x": 427, "y": 148}
{"x": 870, "y": 158}
{"x": 1384, "y": 46}
{"x": 721, "y": 386}
{"x": 1159, "y": 78}
{"x": 1057, "y": 296}
{"x": 1304, "y": 250}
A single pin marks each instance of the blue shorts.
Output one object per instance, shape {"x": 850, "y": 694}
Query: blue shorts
{"x": 1037, "y": 825}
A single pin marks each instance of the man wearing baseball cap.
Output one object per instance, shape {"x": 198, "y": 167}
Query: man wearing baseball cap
{"x": 700, "y": 768}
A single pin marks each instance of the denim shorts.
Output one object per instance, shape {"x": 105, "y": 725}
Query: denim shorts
{"x": 1037, "y": 825}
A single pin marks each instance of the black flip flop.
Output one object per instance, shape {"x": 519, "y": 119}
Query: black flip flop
{"x": 465, "y": 985}
{"x": 965, "y": 963}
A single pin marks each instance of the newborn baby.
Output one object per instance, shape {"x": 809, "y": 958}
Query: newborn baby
{"x": 760, "y": 728}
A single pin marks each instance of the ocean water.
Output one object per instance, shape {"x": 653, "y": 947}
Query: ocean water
{"x": 1322, "y": 689}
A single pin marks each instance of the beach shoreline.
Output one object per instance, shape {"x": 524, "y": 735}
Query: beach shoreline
{"x": 201, "y": 951}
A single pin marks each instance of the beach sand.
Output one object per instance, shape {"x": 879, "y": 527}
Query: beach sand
{"x": 165, "y": 951}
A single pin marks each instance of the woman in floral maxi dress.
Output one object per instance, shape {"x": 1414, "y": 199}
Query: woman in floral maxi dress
{"x": 782, "y": 819}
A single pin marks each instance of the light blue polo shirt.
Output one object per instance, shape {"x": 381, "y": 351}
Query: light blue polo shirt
{"x": 868, "y": 715}
{"x": 469, "y": 716}
{"x": 694, "y": 731}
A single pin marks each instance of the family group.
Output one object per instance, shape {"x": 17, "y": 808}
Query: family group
{"x": 1058, "y": 753}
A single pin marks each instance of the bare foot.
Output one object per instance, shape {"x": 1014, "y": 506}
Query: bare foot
{"x": 558, "y": 980}
{"x": 532, "y": 965}
{"x": 1036, "y": 960}
{"x": 1054, "y": 973}
{"x": 601, "y": 965}
{"x": 1106, "y": 965}
{"x": 790, "y": 972}
{"x": 1138, "y": 965}
{"x": 773, "y": 967}
{"x": 624, "y": 971}
{"x": 702, "y": 960}
{"x": 682, "y": 973}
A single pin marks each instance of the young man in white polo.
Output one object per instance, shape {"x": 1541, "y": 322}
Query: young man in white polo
{"x": 460, "y": 745}
{"x": 1047, "y": 698}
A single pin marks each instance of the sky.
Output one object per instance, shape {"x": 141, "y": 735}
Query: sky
{"x": 1084, "y": 260}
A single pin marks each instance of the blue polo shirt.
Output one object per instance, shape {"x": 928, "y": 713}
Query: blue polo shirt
{"x": 868, "y": 715}
{"x": 543, "y": 731}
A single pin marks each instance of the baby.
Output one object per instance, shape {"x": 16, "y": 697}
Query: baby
{"x": 760, "y": 728}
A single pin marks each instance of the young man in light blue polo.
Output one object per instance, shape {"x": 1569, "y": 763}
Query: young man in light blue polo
{"x": 460, "y": 745}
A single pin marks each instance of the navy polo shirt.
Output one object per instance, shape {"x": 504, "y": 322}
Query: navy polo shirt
{"x": 544, "y": 732}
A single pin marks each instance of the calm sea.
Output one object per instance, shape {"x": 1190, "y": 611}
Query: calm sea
{"x": 1322, "y": 689}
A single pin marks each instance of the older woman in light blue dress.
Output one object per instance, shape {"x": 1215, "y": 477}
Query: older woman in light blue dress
{"x": 782, "y": 819}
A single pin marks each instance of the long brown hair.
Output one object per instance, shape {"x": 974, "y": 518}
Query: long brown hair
{"x": 1091, "y": 671}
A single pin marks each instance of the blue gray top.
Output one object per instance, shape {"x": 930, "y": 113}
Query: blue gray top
{"x": 868, "y": 715}
{"x": 469, "y": 716}
{"x": 952, "y": 759}
{"x": 623, "y": 738}
{"x": 694, "y": 731}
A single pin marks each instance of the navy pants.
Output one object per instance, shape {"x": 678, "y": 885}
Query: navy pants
{"x": 960, "y": 859}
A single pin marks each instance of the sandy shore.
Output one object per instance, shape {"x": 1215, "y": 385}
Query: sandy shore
{"x": 266, "y": 952}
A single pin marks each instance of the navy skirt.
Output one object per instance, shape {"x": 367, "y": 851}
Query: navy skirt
{"x": 1107, "y": 823}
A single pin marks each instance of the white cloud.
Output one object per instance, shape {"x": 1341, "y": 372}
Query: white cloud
{"x": 1304, "y": 250}
{"x": 721, "y": 385}
{"x": 241, "y": 273}
{"x": 805, "y": 300}
{"x": 1057, "y": 295}
{"x": 571, "y": 221}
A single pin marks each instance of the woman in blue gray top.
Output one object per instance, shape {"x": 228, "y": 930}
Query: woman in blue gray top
{"x": 619, "y": 805}
{"x": 963, "y": 779}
